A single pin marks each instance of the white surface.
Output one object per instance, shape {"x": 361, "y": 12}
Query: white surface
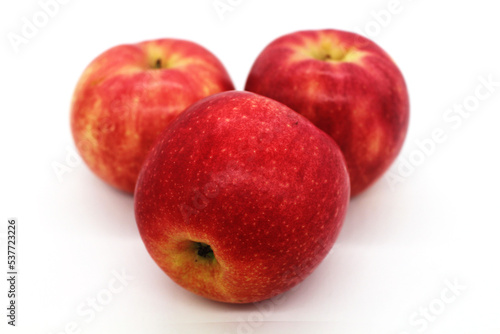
{"x": 399, "y": 245}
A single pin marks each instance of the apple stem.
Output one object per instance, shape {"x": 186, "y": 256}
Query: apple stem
{"x": 205, "y": 250}
{"x": 158, "y": 63}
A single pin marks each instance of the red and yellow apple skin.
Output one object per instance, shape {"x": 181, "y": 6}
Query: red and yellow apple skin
{"x": 129, "y": 94}
{"x": 348, "y": 87}
{"x": 241, "y": 198}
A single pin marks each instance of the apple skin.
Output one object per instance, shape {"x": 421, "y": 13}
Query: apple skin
{"x": 254, "y": 180}
{"x": 348, "y": 87}
{"x": 128, "y": 95}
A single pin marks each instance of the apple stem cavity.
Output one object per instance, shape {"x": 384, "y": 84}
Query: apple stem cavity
{"x": 158, "y": 63}
{"x": 335, "y": 55}
{"x": 205, "y": 251}
{"x": 330, "y": 53}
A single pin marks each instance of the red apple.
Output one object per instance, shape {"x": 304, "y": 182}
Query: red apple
{"x": 129, "y": 94}
{"x": 348, "y": 87}
{"x": 241, "y": 198}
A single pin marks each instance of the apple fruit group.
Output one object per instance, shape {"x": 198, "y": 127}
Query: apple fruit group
{"x": 241, "y": 198}
{"x": 348, "y": 87}
{"x": 128, "y": 95}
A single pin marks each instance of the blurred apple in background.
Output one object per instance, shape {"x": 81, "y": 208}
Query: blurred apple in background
{"x": 129, "y": 94}
{"x": 348, "y": 87}
{"x": 241, "y": 198}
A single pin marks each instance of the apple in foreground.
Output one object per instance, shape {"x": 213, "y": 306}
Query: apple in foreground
{"x": 348, "y": 87}
{"x": 128, "y": 95}
{"x": 241, "y": 198}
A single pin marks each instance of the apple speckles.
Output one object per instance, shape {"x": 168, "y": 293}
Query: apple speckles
{"x": 262, "y": 191}
{"x": 365, "y": 88}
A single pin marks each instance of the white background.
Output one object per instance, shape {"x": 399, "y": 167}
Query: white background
{"x": 400, "y": 244}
